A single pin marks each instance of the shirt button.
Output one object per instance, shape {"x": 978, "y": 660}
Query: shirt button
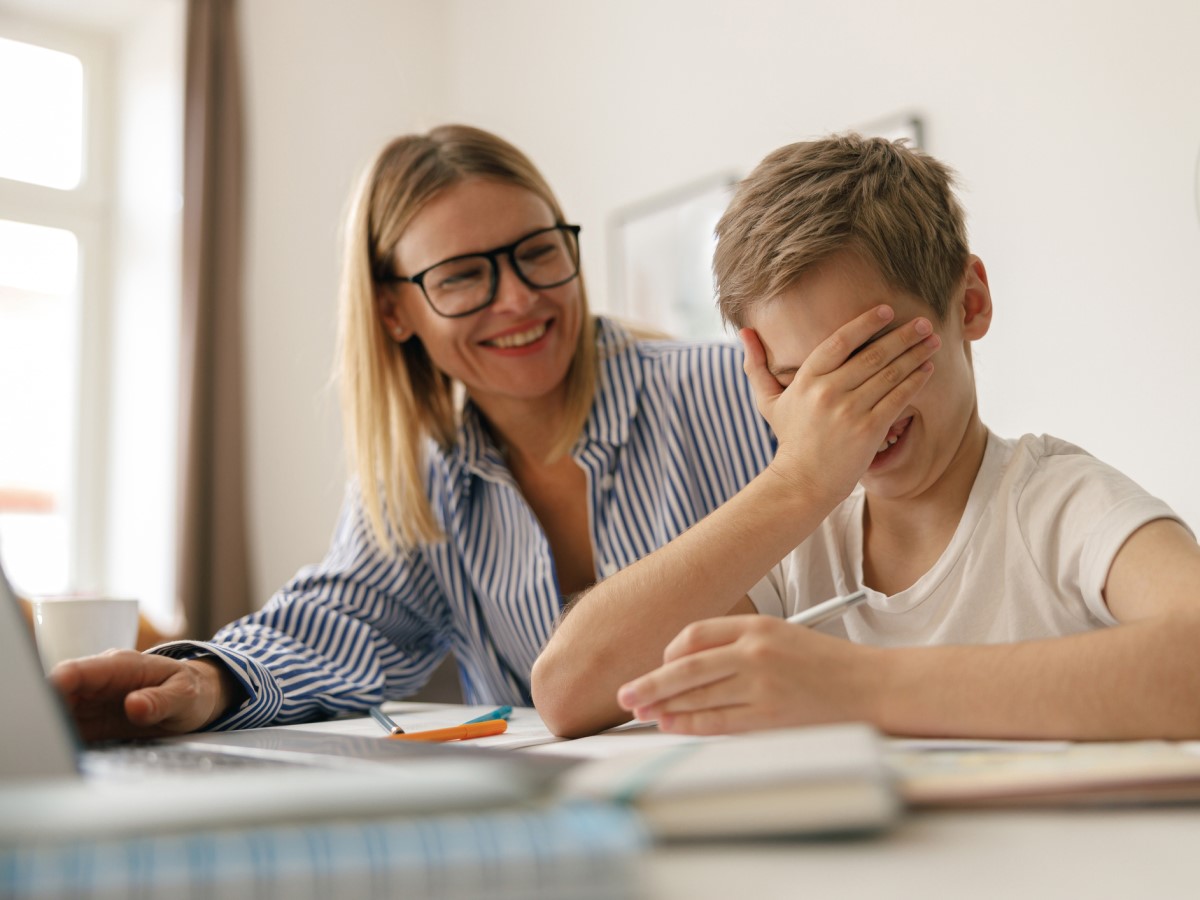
{"x": 606, "y": 482}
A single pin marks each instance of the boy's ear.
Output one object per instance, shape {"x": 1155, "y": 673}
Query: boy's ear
{"x": 976, "y": 300}
{"x": 391, "y": 315}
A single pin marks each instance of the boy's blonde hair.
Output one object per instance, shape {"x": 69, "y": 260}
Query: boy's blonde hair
{"x": 893, "y": 205}
{"x": 393, "y": 397}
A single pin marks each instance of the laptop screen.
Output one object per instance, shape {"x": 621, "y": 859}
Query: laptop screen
{"x": 40, "y": 740}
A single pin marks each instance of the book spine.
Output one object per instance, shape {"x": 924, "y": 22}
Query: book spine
{"x": 577, "y": 851}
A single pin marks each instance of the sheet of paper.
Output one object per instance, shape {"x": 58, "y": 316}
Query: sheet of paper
{"x": 525, "y": 726}
{"x": 934, "y": 744}
{"x": 525, "y": 730}
{"x": 628, "y": 738}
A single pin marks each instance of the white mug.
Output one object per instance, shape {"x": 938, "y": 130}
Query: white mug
{"x": 70, "y": 627}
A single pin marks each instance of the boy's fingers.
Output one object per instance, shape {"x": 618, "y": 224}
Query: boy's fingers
{"x": 674, "y": 678}
{"x": 694, "y": 658}
{"x": 762, "y": 382}
{"x": 897, "y": 388}
{"x": 689, "y": 705}
{"x": 731, "y": 691}
{"x": 706, "y": 634}
{"x": 890, "y": 359}
{"x": 833, "y": 352}
{"x": 718, "y": 720}
{"x": 755, "y": 352}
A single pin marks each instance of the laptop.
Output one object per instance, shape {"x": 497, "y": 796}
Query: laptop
{"x": 52, "y": 786}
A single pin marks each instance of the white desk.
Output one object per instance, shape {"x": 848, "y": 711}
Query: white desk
{"x": 1090, "y": 854}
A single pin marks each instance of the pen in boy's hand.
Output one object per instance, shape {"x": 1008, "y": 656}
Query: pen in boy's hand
{"x": 830, "y": 609}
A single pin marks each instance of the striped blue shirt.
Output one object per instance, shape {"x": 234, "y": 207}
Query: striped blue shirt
{"x": 672, "y": 434}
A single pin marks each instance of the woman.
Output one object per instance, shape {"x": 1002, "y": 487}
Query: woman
{"x": 509, "y": 450}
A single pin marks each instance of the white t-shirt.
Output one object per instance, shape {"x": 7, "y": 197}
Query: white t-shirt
{"x": 1028, "y": 560}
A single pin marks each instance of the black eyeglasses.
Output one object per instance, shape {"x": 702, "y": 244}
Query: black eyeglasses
{"x": 466, "y": 284}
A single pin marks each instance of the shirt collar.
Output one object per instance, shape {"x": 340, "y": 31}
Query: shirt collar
{"x": 474, "y": 448}
{"x": 618, "y": 384}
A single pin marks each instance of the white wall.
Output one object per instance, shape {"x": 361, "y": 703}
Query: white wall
{"x": 326, "y": 85}
{"x": 1075, "y": 128}
{"x": 140, "y": 559}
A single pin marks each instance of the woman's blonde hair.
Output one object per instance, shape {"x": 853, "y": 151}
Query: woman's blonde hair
{"x": 393, "y": 397}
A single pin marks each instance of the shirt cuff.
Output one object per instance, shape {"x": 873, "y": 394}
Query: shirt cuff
{"x": 264, "y": 698}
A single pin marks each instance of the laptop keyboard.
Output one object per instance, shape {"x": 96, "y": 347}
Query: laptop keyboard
{"x": 140, "y": 760}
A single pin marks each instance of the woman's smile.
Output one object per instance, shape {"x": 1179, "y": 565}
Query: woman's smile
{"x": 521, "y": 337}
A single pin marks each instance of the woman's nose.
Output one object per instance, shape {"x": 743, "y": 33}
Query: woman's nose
{"x": 512, "y": 294}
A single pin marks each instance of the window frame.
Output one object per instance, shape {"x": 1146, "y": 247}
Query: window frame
{"x": 85, "y": 210}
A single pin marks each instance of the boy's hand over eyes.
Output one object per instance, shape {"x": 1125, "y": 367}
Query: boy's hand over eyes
{"x": 832, "y": 417}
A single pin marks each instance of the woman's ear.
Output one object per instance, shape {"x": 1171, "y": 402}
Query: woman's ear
{"x": 391, "y": 315}
{"x": 976, "y": 300}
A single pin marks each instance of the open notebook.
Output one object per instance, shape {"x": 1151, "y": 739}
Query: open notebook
{"x": 973, "y": 773}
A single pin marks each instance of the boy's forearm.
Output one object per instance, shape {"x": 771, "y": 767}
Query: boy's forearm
{"x": 618, "y": 629}
{"x": 1132, "y": 681}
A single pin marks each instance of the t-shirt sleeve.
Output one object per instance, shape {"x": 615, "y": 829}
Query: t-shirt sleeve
{"x": 1103, "y": 544}
{"x": 1078, "y": 513}
{"x": 769, "y": 596}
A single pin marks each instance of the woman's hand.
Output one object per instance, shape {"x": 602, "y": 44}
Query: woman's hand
{"x": 126, "y": 694}
{"x": 743, "y": 673}
{"x": 836, "y": 411}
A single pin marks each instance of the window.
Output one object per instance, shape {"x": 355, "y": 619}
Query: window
{"x": 38, "y": 306}
{"x": 42, "y": 108}
{"x": 90, "y": 181}
{"x": 50, "y": 230}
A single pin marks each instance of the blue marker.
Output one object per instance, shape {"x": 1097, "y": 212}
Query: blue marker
{"x": 502, "y": 712}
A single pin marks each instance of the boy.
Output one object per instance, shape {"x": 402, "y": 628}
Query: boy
{"x": 1016, "y": 588}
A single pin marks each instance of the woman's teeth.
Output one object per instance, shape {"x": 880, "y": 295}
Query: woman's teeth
{"x": 887, "y": 442}
{"x": 519, "y": 339}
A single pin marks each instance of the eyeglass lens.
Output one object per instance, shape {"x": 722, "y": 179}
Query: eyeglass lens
{"x": 543, "y": 260}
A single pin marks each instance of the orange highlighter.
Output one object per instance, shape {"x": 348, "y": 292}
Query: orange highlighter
{"x": 455, "y": 732}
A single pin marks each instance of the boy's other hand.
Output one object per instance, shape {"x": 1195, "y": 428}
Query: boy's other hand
{"x": 125, "y": 694}
{"x": 835, "y": 411}
{"x": 743, "y": 673}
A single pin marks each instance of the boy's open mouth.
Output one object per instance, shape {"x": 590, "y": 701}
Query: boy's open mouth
{"x": 893, "y": 439}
